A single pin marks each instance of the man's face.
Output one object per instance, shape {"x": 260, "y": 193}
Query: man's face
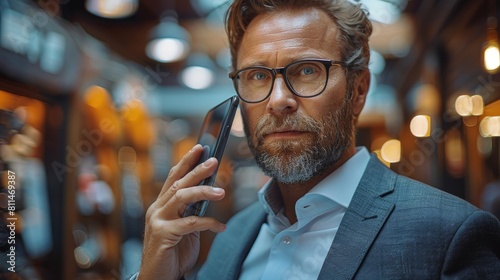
{"x": 293, "y": 138}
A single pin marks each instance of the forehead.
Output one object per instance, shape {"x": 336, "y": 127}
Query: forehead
{"x": 297, "y": 33}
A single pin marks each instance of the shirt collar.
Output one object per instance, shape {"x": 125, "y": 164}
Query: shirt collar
{"x": 270, "y": 197}
{"x": 339, "y": 186}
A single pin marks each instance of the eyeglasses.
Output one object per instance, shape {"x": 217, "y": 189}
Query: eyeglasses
{"x": 304, "y": 78}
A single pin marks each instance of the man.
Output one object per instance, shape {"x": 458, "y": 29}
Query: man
{"x": 330, "y": 210}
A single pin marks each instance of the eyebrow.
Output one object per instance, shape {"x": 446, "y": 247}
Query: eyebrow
{"x": 261, "y": 62}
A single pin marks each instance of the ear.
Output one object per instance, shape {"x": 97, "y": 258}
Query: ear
{"x": 360, "y": 91}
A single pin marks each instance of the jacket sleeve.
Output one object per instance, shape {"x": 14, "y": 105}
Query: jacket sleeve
{"x": 474, "y": 251}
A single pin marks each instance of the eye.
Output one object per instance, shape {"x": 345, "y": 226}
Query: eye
{"x": 308, "y": 70}
{"x": 302, "y": 70}
{"x": 258, "y": 75}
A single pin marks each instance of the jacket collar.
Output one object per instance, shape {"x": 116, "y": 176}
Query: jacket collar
{"x": 362, "y": 222}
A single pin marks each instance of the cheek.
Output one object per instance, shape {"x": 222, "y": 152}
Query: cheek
{"x": 249, "y": 115}
{"x": 336, "y": 95}
{"x": 337, "y": 83}
{"x": 326, "y": 104}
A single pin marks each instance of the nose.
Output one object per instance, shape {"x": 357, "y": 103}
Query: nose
{"x": 281, "y": 100}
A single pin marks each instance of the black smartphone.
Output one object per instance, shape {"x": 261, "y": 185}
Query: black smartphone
{"x": 213, "y": 137}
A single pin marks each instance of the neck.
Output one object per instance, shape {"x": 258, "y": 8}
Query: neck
{"x": 290, "y": 193}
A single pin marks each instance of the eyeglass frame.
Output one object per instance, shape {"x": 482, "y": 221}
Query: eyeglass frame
{"x": 282, "y": 70}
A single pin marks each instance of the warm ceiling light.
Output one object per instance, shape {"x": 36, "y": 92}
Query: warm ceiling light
{"x": 391, "y": 151}
{"x": 491, "y": 54}
{"x": 492, "y": 57}
{"x": 197, "y": 77}
{"x": 169, "y": 42}
{"x": 167, "y": 49}
{"x": 466, "y": 105}
{"x": 477, "y": 105}
{"x": 199, "y": 72}
{"x": 463, "y": 105}
{"x": 420, "y": 126}
{"x": 112, "y": 8}
{"x": 490, "y": 127}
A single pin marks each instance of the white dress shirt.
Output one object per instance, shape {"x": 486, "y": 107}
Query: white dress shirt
{"x": 284, "y": 251}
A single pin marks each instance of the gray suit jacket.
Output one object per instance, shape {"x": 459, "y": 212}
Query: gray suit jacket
{"x": 394, "y": 228}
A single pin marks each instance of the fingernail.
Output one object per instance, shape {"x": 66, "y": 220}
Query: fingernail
{"x": 209, "y": 162}
{"x": 193, "y": 148}
{"x": 217, "y": 190}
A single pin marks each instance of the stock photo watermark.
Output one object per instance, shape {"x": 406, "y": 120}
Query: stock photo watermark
{"x": 90, "y": 140}
{"x": 11, "y": 220}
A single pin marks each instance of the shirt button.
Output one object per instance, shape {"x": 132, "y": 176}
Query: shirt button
{"x": 287, "y": 240}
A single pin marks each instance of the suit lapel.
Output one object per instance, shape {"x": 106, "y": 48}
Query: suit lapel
{"x": 362, "y": 222}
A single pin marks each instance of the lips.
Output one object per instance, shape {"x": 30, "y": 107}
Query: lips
{"x": 288, "y": 127}
{"x": 283, "y": 132}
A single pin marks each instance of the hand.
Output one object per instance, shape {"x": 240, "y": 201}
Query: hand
{"x": 171, "y": 241}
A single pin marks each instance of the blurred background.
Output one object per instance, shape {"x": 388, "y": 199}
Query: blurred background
{"x": 100, "y": 98}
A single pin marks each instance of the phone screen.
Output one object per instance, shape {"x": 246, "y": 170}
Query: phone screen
{"x": 213, "y": 137}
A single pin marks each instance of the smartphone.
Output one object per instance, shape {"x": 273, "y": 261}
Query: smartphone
{"x": 213, "y": 136}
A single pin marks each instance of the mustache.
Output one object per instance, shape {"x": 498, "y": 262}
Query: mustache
{"x": 269, "y": 124}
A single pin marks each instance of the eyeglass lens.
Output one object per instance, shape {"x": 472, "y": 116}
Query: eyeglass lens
{"x": 305, "y": 78}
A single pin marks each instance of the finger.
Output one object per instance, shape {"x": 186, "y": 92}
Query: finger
{"x": 186, "y": 164}
{"x": 172, "y": 231}
{"x": 198, "y": 174}
{"x": 184, "y": 197}
{"x": 192, "y": 224}
{"x": 193, "y": 178}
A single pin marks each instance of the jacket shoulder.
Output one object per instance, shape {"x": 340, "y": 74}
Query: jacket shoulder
{"x": 407, "y": 192}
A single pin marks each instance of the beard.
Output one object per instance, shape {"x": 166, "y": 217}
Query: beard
{"x": 299, "y": 160}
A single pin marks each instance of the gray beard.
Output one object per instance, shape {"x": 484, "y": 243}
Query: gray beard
{"x": 300, "y": 168}
{"x": 295, "y": 162}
